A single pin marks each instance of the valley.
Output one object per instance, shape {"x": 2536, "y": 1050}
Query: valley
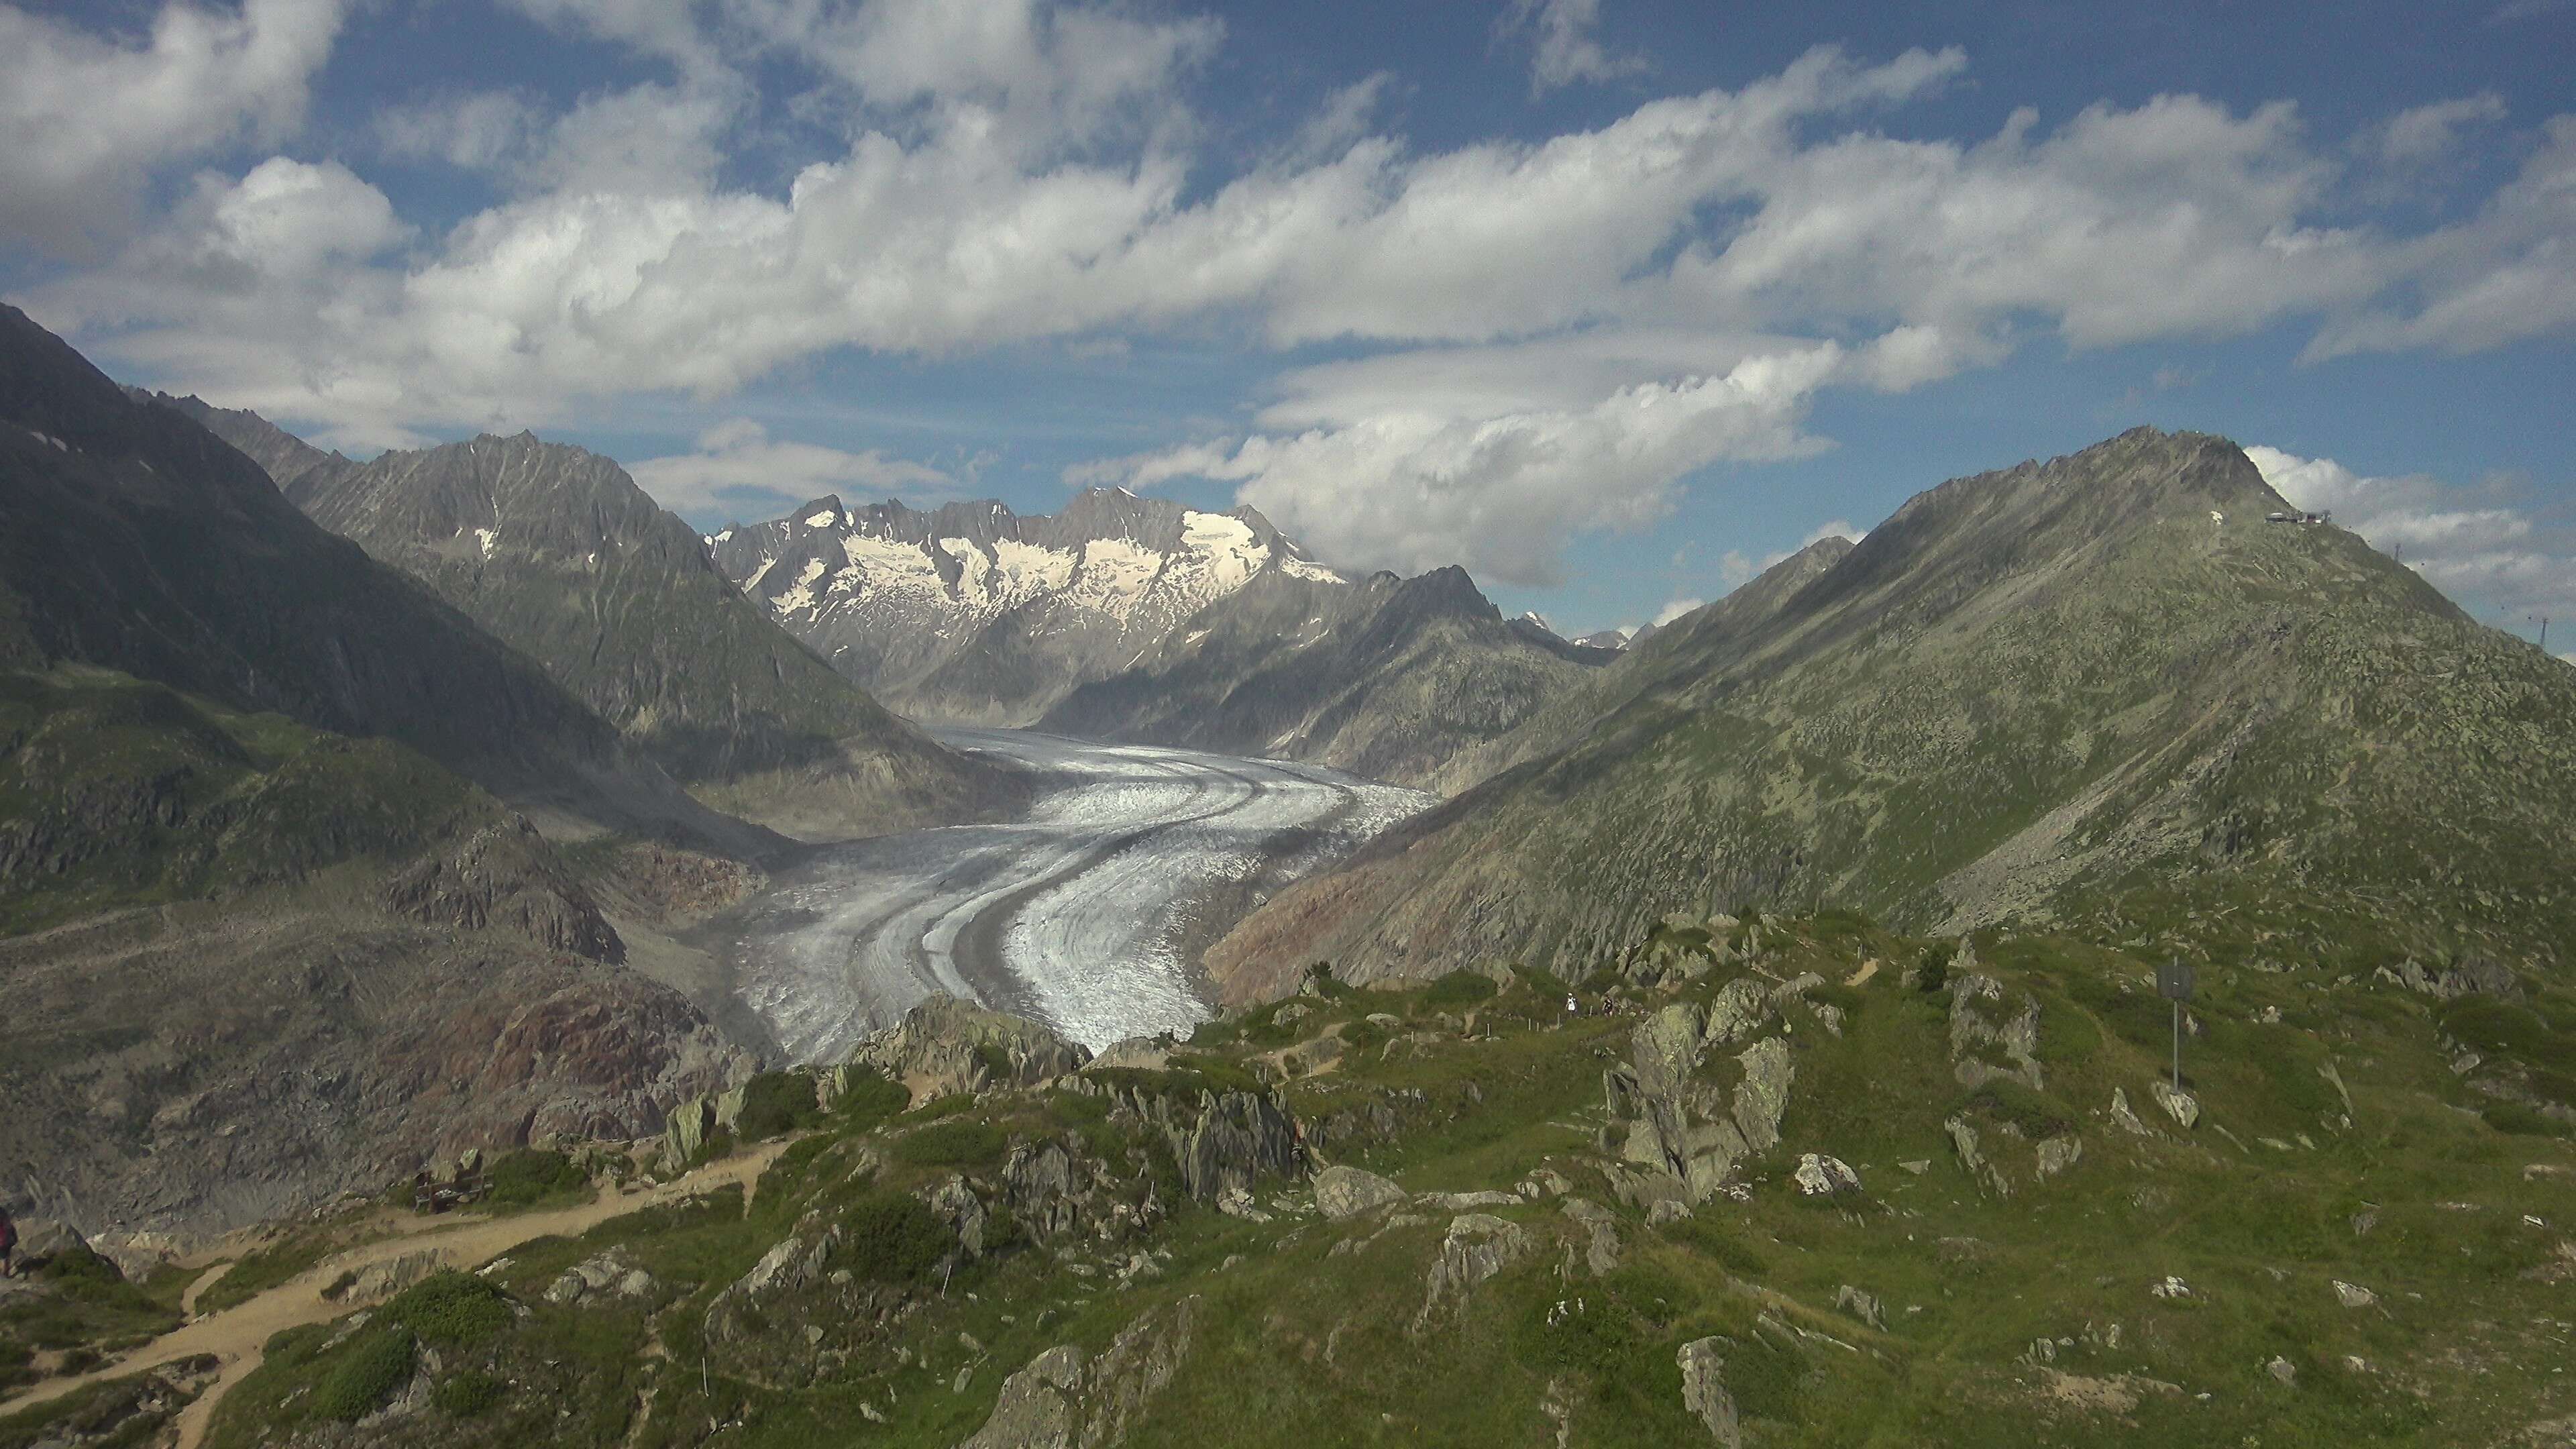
{"x": 1085, "y": 914}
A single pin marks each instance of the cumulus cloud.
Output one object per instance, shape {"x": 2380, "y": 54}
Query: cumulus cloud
{"x": 1543, "y": 339}
{"x": 1675, "y": 608}
{"x": 1413, "y": 490}
{"x": 737, "y": 465}
{"x": 2426, "y": 134}
{"x": 1562, "y": 48}
{"x": 2480, "y": 550}
{"x": 85, "y": 119}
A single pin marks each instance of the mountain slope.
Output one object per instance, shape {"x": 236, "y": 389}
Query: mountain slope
{"x": 975, "y": 614}
{"x": 139, "y": 541}
{"x": 1389, "y": 679}
{"x": 558, "y": 552}
{"x": 2100, "y": 690}
{"x": 266, "y": 930}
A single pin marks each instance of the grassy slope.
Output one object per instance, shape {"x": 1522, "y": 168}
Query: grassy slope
{"x": 1307, "y": 1345}
{"x": 117, "y": 792}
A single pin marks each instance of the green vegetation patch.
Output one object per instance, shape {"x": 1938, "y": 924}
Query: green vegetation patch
{"x": 953, "y": 1142}
{"x": 531, "y": 1178}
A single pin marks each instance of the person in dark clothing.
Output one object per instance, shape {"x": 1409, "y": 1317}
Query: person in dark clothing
{"x": 8, "y": 1246}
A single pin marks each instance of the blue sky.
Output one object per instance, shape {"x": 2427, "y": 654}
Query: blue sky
{"x": 1609, "y": 300}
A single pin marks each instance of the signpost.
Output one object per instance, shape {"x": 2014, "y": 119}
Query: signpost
{"x": 2174, "y": 981}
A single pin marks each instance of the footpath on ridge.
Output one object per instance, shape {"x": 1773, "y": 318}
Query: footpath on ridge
{"x": 238, "y": 1334}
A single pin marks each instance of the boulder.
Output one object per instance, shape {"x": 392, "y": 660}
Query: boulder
{"x": 1762, "y": 1098}
{"x": 1704, "y": 1395}
{"x": 957, "y": 1205}
{"x": 2353, "y": 1295}
{"x": 794, "y": 1263}
{"x": 612, "y": 1274}
{"x": 1601, "y": 1229}
{"x": 2123, "y": 1117}
{"x": 1067, "y": 1399}
{"x": 685, "y": 1132}
{"x": 1984, "y": 1026}
{"x": 2180, "y": 1106}
{"x": 1477, "y": 1246}
{"x": 2057, "y": 1154}
{"x": 1822, "y": 1176}
{"x": 1347, "y": 1192}
{"x": 1973, "y": 1158}
{"x": 1860, "y": 1305}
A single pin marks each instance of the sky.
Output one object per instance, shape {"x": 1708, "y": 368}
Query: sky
{"x": 1610, "y": 301}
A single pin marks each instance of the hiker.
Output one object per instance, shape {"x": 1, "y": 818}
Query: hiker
{"x": 8, "y": 1246}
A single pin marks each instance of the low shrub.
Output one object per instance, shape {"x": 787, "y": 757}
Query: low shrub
{"x": 469, "y": 1393}
{"x": 1459, "y": 988}
{"x": 955, "y": 1142}
{"x": 529, "y": 1176}
{"x": 892, "y": 1237}
{"x": 451, "y": 1307}
{"x": 775, "y": 1104}
{"x": 374, "y": 1365}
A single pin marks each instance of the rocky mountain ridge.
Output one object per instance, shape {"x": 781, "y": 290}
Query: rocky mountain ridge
{"x": 974, "y": 614}
{"x": 274, "y": 918}
{"x": 557, "y": 551}
{"x": 2096, "y": 690}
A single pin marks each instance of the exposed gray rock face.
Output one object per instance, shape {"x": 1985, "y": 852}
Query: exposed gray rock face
{"x": 1601, "y": 1232}
{"x": 1972, "y": 1157}
{"x": 1067, "y": 1399}
{"x": 1476, "y": 1247}
{"x": 1703, "y": 1364}
{"x": 557, "y": 551}
{"x": 506, "y": 875}
{"x": 2180, "y": 1106}
{"x": 1821, "y": 1176}
{"x": 2469, "y": 976}
{"x": 1861, "y": 1305}
{"x": 945, "y": 1045}
{"x": 1683, "y": 1132}
{"x": 796, "y": 1262}
{"x": 1984, "y": 1026}
{"x": 1388, "y": 679}
{"x": 957, "y": 1205}
{"x": 1347, "y": 1192}
{"x": 612, "y": 1274}
{"x": 2124, "y": 1116}
{"x": 2057, "y": 1154}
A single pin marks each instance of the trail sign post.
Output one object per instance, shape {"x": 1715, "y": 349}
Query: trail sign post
{"x": 2174, "y": 981}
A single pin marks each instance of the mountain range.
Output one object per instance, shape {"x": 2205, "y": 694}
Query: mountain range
{"x": 1142, "y": 619}
{"x": 556, "y": 551}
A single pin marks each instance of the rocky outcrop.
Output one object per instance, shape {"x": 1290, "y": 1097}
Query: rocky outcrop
{"x": 2181, "y": 1106}
{"x": 1067, "y": 1399}
{"x": 1600, "y": 1233}
{"x": 1681, "y": 1131}
{"x": 1991, "y": 1037}
{"x": 796, "y": 1262}
{"x": 1476, "y": 1247}
{"x": 506, "y": 876}
{"x": 613, "y": 1274}
{"x": 1347, "y": 1192}
{"x": 945, "y": 1046}
{"x": 1703, "y": 1365}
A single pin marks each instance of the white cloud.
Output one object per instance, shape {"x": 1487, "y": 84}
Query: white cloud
{"x": 1675, "y": 608}
{"x": 738, "y": 465}
{"x": 1503, "y": 494}
{"x": 2426, "y": 134}
{"x": 85, "y": 118}
{"x": 1553, "y": 336}
{"x": 1563, "y": 50}
{"x": 2475, "y": 549}
{"x": 2506, "y": 274}
{"x": 470, "y": 130}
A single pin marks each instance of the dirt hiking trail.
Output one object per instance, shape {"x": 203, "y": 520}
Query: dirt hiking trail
{"x": 238, "y": 1334}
